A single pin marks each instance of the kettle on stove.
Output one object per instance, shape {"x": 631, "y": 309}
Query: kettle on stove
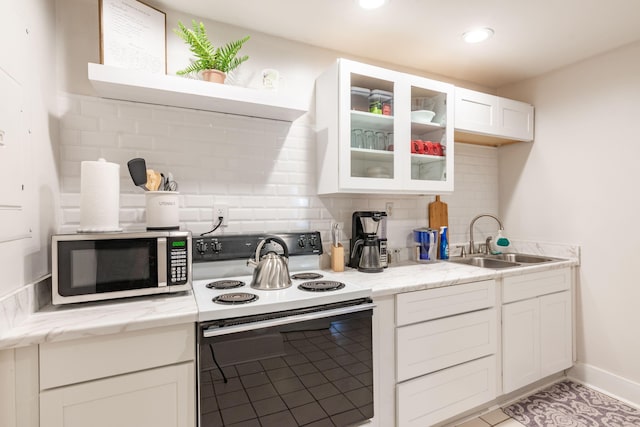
{"x": 272, "y": 270}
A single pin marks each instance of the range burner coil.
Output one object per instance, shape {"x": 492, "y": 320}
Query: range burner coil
{"x": 225, "y": 284}
{"x": 321, "y": 286}
{"x": 307, "y": 276}
{"x": 235, "y": 298}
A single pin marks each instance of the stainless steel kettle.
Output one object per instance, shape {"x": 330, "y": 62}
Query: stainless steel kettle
{"x": 272, "y": 270}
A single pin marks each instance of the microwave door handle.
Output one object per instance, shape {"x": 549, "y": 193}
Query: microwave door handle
{"x": 162, "y": 261}
{"x": 212, "y": 332}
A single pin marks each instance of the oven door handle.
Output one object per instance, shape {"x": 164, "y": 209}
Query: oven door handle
{"x": 296, "y": 318}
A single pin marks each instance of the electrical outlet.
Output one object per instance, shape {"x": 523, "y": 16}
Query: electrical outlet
{"x": 388, "y": 207}
{"x": 221, "y": 211}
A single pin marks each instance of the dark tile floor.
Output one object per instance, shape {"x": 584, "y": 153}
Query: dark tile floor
{"x": 321, "y": 378}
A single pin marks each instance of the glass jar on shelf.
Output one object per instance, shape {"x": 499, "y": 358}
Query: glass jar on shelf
{"x": 360, "y": 98}
{"x": 381, "y": 102}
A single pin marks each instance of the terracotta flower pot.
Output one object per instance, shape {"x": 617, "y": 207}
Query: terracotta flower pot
{"x": 214, "y": 76}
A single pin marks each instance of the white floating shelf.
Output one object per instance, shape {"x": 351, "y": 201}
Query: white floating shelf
{"x": 158, "y": 89}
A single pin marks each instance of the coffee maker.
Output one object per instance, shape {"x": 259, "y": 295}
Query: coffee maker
{"x": 368, "y": 249}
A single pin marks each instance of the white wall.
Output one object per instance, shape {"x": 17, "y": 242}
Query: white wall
{"x": 28, "y": 46}
{"x": 578, "y": 183}
{"x": 264, "y": 170}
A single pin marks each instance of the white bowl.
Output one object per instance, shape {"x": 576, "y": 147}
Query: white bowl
{"x": 378, "y": 172}
{"x": 422, "y": 116}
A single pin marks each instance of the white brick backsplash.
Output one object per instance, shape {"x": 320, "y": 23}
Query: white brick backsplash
{"x": 263, "y": 170}
{"x": 133, "y": 110}
{"x": 151, "y": 127}
{"x": 168, "y": 114}
{"x": 117, "y": 124}
{"x": 69, "y": 137}
{"x": 135, "y": 142}
{"x": 78, "y": 122}
{"x": 97, "y": 108}
{"x": 99, "y": 139}
{"x": 78, "y": 154}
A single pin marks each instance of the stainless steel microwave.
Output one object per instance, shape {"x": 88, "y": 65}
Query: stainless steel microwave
{"x": 92, "y": 267}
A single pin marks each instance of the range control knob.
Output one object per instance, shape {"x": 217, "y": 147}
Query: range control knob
{"x": 313, "y": 240}
{"x": 216, "y": 246}
{"x": 201, "y": 247}
{"x": 301, "y": 241}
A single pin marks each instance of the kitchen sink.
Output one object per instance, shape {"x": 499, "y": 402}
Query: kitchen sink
{"x": 499, "y": 261}
{"x": 523, "y": 258}
{"x": 485, "y": 262}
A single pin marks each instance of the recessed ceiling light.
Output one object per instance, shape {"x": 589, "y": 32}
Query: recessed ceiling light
{"x": 371, "y": 4}
{"x": 477, "y": 35}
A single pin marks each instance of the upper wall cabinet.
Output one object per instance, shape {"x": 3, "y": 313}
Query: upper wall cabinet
{"x": 491, "y": 120}
{"x": 138, "y": 86}
{"x": 382, "y": 131}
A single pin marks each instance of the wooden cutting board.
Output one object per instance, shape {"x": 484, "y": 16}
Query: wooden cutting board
{"x": 438, "y": 216}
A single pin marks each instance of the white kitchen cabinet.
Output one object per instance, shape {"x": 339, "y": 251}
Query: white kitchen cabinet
{"x": 556, "y": 339}
{"x": 536, "y": 327}
{"x": 160, "y": 397}
{"x": 446, "y": 345}
{"x": 138, "y": 378}
{"x": 498, "y": 120}
{"x": 385, "y": 162}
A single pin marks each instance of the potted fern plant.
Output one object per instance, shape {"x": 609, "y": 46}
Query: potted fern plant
{"x": 213, "y": 62}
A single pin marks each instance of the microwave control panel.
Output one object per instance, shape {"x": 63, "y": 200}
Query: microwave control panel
{"x": 177, "y": 260}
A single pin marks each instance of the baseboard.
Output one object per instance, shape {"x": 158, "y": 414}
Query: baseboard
{"x": 607, "y": 383}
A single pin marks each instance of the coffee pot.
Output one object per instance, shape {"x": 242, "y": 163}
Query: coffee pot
{"x": 272, "y": 270}
{"x": 366, "y": 246}
{"x": 369, "y": 254}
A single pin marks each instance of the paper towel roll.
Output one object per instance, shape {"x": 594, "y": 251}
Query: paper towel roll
{"x": 99, "y": 196}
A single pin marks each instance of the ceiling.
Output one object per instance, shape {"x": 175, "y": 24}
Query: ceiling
{"x": 532, "y": 37}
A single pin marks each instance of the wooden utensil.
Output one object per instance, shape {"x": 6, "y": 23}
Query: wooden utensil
{"x": 438, "y": 216}
{"x": 153, "y": 180}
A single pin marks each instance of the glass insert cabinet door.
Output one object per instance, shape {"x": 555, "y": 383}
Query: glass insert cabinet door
{"x": 372, "y": 128}
{"x": 431, "y": 143}
{"x": 383, "y": 131}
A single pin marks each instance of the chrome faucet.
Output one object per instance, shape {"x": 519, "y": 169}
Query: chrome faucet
{"x": 472, "y": 249}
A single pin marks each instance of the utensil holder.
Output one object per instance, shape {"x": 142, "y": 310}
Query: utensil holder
{"x": 162, "y": 210}
{"x": 337, "y": 258}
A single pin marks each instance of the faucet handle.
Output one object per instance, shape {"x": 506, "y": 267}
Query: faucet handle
{"x": 487, "y": 245}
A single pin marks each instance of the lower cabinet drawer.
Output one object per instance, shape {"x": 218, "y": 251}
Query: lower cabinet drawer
{"x": 420, "y": 306}
{"x": 435, "y": 397}
{"x": 533, "y": 285}
{"x": 430, "y": 346}
{"x": 86, "y": 359}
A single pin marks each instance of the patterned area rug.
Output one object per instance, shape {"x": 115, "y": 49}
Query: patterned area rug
{"x": 572, "y": 405}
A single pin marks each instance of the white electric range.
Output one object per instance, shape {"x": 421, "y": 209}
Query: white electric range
{"x": 283, "y": 357}
{"x": 220, "y": 270}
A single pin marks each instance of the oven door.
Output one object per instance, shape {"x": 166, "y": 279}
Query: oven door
{"x": 291, "y": 368}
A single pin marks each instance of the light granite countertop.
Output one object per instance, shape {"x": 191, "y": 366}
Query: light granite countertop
{"x": 413, "y": 277}
{"x": 26, "y": 324}
{"x": 52, "y": 323}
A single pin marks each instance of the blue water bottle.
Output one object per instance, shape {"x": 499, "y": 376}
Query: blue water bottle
{"x": 444, "y": 243}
